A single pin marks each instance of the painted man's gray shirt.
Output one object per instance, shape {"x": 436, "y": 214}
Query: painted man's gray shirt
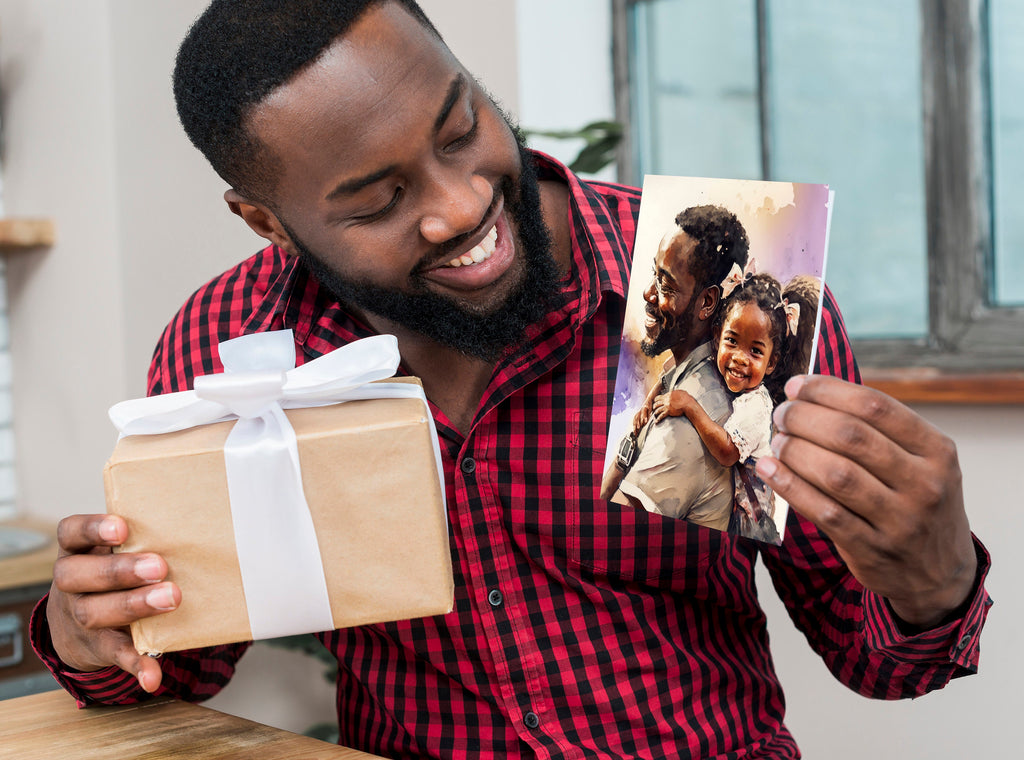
{"x": 674, "y": 474}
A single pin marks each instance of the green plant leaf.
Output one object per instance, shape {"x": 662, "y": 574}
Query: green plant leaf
{"x": 601, "y": 138}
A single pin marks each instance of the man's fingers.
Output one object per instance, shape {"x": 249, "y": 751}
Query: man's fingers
{"x": 87, "y": 573}
{"x": 846, "y": 435}
{"x": 81, "y": 533}
{"x": 840, "y": 480}
{"x": 120, "y": 608}
{"x": 118, "y": 649}
{"x": 886, "y": 415}
{"x": 148, "y": 673}
{"x": 839, "y": 523}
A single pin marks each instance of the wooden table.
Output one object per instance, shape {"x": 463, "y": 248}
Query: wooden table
{"x": 49, "y": 726}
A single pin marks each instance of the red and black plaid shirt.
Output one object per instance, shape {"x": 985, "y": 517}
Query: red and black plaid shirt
{"x": 581, "y": 628}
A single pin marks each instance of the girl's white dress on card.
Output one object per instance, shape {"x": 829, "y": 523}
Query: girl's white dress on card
{"x": 750, "y": 428}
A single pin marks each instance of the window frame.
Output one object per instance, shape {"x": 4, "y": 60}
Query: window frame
{"x": 972, "y": 346}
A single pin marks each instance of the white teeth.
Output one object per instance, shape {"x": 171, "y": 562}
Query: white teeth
{"x": 480, "y": 252}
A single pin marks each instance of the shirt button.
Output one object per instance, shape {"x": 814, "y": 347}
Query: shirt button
{"x": 530, "y": 720}
{"x": 468, "y": 465}
{"x": 963, "y": 643}
{"x": 495, "y": 598}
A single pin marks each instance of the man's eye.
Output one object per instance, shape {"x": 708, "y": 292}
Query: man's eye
{"x": 380, "y": 213}
{"x": 465, "y": 139}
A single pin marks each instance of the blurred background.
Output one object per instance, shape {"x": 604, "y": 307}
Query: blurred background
{"x": 909, "y": 111}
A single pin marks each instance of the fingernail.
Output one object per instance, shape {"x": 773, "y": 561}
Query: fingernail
{"x": 108, "y": 530}
{"x": 149, "y": 569}
{"x": 794, "y": 384}
{"x": 160, "y": 598}
{"x": 766, "y": 468}
{"x": 777, "y": 440}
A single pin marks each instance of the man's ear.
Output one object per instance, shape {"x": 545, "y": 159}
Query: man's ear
{"x": 261, "y": 220}
{"x": 709, "y": 302}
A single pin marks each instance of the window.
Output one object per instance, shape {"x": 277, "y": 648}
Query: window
{"x": 910, "y": 111}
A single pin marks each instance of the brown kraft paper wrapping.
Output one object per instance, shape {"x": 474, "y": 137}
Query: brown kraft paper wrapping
{"x": 371, "y": 481}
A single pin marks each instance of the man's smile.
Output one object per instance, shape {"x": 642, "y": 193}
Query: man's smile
{"x": 478, "y": 253}
{"x": 480, "y": 265}
{"x": 658, "y": 322}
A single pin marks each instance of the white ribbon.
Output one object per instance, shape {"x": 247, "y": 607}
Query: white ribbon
{"x": 282, "y": 571}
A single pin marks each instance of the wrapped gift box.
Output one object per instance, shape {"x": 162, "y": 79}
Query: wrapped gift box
{"x": 370, "y": 476}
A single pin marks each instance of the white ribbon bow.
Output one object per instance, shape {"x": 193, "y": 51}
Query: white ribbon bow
{"x": 282, "y": 572}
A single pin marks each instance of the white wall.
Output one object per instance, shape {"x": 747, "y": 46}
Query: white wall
{"x": 975, "y": 716}
{"x": 65, "y": 302}
{"x": 91, "y": 140}
{"x": 565, "y": 71}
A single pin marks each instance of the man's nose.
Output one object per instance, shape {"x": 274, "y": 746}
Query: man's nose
{"x": 456, "y": 204}
{"x": 651, "y": 294}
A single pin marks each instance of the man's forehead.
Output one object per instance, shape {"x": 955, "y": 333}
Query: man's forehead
{"x": 385, "y": 38}
{"x": 366, "y": 88}
{"x": 674, "y": 250}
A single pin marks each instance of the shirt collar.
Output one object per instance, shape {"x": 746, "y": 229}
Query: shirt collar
{"x": 701, "y": 353}
{"x": 600, "y": 254}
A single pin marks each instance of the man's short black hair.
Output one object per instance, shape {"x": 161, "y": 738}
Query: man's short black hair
{"x": 721, "y": 242}
{"x": 238, "y": 52}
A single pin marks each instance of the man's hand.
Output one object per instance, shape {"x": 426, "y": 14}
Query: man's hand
{"x": 96, "y": 594}
{"x": 884, "y": 485}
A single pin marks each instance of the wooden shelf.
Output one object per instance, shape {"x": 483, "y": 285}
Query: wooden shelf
{"x": 922, "y": 385}
{"x": 32, "y": 567}
{"x": 24, "y": 232}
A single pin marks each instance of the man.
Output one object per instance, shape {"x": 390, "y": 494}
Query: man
{"x": 361, "y": 149}
{"x": 674, "y": 474}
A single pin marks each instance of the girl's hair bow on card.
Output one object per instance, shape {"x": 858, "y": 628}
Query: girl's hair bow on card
{"x": 737, "y": 277}
{"x": 792, "y": 311}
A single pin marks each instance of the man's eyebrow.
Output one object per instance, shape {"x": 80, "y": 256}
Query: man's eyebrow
{"x": 352, "y": 186}
{"x": 454, "y": 93}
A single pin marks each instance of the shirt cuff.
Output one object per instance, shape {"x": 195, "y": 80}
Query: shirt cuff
{"x": 108, "y": 685}
{"x": 952, "y": 641}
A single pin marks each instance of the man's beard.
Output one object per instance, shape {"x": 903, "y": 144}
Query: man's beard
{"x": 442, "y": 319}
{"x": 672, "y": 330}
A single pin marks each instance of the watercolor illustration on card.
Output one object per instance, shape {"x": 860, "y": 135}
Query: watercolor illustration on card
{"x": 723, "y": 307}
